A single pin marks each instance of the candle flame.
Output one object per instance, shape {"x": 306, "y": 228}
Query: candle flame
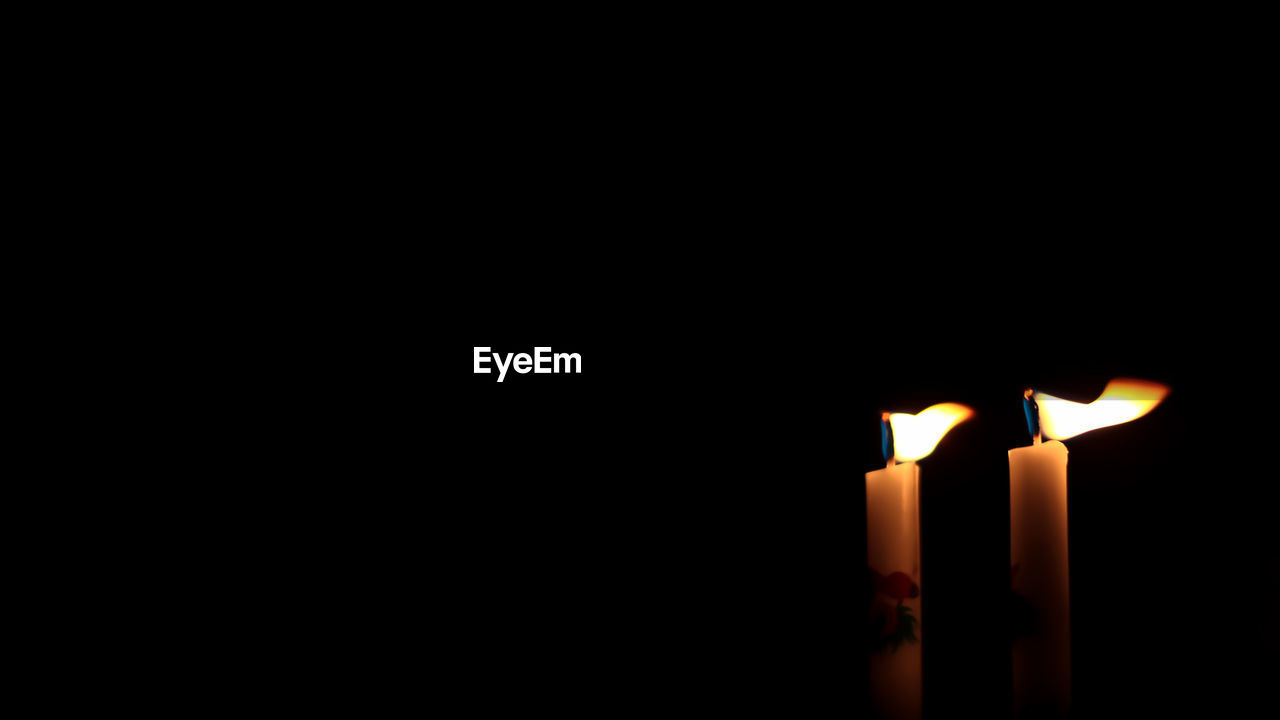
{"x": 1122, "y": 400}
{"x": 915, "y": 436}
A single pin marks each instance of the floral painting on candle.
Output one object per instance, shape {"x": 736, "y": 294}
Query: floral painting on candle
{"x": 891, "y": 622}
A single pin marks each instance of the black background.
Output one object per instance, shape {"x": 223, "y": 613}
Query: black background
{"x": 752, "y": 273}
{"x": 681, "y": 526}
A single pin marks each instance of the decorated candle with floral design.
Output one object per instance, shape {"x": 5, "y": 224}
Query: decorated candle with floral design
{"x": 894, "y": 626}
{"x": 893, "y": 561}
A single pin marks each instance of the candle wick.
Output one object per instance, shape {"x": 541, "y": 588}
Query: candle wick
{"x": 891, "y": 462}
{"x": 886, "y": 440}
{"x": 1032, "y": 411}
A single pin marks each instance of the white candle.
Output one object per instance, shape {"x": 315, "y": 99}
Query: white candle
{"x": 1038, "y": 548}
{"x": 893, "y": 562}
{"x": 893, "y": 558}
{"x": 1039, "y": 572}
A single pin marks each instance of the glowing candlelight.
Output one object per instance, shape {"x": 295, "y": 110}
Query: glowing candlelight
{"x": 1122, "y": 400}
{"x": 1038, "y": 535}
{"x": 893, "y": 556}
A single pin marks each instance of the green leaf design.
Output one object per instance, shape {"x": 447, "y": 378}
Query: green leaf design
{"x": 906, "y": 625}
{"x": 904, "y": 631}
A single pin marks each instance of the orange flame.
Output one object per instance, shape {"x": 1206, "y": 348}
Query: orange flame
{"x": 1122, "y": 400}
{"x": 915, "y": 436}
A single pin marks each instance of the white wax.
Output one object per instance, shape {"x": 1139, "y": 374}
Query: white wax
{"x": 893, "y": 556}
{"x": 1040, "y": 575}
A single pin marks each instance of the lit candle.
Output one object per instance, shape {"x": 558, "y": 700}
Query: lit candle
{"x": 1038, "y": 537}
{"x": 893, "y": 556}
